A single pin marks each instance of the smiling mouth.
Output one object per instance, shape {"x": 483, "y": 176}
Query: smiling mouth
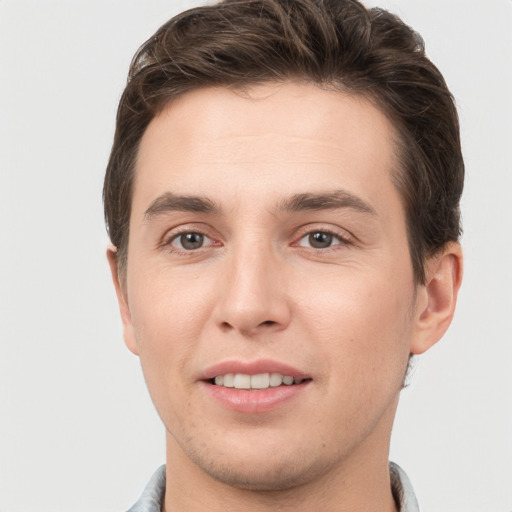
{"x": 256, "y": 382}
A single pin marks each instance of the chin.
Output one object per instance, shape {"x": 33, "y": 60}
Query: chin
{"x": 279, "y": 474}
{"x": 280, "y": 478}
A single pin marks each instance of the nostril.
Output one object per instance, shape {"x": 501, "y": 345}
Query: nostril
{"x": 249, "y": 330}
{"x": 226, "y": 326}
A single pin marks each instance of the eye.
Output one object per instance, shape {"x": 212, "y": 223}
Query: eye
{"x": 320, "y": 240}
{"x": 190, "y": 241}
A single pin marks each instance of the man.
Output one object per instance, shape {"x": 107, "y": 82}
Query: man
{"x": 282, "y": 198}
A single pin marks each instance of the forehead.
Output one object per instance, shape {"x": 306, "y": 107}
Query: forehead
{"x": 270, "y": 140}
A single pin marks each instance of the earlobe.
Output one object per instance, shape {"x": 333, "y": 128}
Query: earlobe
{"x": 122, "y": 299}
{"x": 438, "y": 297}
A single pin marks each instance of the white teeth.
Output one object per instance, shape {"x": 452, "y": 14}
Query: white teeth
{"x": 229, "y": 380}
{"x": 259, "y": 381}
{"x": 276, "y": 379}
{"x": 242, "y": 381}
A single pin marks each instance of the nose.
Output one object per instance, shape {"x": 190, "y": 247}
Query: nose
{"x": 252, "y": 293}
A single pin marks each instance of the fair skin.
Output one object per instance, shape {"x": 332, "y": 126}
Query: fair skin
{"x": 266, "y": 236}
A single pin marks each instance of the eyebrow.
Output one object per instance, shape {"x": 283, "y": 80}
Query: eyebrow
{"x": 170, "y": 202}
{"x": 326, "y": 201}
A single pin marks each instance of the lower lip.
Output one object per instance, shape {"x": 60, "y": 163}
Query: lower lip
{"x": 263, "y": 400}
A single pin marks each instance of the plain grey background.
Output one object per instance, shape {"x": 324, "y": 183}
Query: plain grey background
{"x": 77, "y": 429}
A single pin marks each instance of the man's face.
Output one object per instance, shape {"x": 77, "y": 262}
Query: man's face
{"x": 267, "y": 238}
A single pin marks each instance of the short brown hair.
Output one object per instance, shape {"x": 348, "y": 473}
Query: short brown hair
{"x": 333, "y": 43}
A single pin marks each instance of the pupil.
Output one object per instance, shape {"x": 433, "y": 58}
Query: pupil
{"x": 192, "y": 241}
{"x": 320, "y": 240}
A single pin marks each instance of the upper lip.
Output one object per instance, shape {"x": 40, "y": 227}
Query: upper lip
{"x": 252, "y": 368}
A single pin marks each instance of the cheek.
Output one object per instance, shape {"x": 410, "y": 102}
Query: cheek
{"x": 363, "y": 326}
{"x": 168, "y": 315}
{"x": 165, "y": 330}
{"x": 167, "y": 304}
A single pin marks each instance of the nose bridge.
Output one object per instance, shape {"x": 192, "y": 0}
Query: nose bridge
{"x": 252, "y": 297}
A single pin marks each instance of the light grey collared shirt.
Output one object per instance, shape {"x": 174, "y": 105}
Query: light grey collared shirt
{"x": 152, "y": 498}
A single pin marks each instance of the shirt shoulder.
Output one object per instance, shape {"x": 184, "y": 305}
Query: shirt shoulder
{"x": 402, "y": 489}
{"x": 152, "y": 499}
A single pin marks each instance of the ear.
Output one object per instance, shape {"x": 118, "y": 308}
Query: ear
{"x": 122, "y": 299}
{"x": 437, "y": 298}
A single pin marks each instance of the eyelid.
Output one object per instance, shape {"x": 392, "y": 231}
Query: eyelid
{"x": 172, "y": 234}
{"x": 345, "y": 238}
{"x": 178, "y": 236}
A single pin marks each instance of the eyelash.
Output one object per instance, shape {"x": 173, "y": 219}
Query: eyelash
{"x": 168, "y": 241}
{"x": 342, "y": 240}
